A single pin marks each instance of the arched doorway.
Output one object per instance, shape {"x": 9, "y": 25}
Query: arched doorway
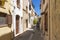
{"x": 17, "y": 24}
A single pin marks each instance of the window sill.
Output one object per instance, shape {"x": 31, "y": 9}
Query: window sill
{"x": 3, "y": 25}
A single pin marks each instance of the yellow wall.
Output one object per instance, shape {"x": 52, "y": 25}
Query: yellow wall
{"x": 25, "y": 17}
{"x": 5, "y": 31}
{"x": 55, "y": 19}
{"x": 6, "y": 7}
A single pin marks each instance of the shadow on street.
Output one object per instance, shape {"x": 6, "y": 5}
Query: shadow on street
{"x": 30, "y": 35}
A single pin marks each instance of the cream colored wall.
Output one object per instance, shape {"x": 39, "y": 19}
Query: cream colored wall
{"x": 6, "y": 7}
{"x": 25, "y": 17}
{"x": 25, "y": 3}
{"x": 55, "y": 19}
{"x": 42, "y": 23}
{"x": 25, "y": 14}
{"x": 43, "y": 7}
{"x": 5, "y": 31}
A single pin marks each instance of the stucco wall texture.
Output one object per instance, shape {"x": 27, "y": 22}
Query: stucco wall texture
{"x": 53, "y": 19}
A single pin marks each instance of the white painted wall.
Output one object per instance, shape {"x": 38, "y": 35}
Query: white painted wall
{"x": 15, "y": 12}
{"x": 29, "y": 11}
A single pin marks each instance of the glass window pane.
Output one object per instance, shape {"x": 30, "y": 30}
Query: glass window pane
{"x": 2, "y": 20}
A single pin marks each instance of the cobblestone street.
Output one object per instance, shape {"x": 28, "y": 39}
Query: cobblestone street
{"x": 30, "y": 35}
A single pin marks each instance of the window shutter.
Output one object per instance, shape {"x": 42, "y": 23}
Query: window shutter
{"x": 9, "y": 19}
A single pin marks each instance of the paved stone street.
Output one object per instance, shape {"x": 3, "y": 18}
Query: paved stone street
{"x": 30, "y": 35}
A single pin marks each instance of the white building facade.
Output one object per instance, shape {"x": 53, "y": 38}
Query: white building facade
{"x": 17, "y": 15}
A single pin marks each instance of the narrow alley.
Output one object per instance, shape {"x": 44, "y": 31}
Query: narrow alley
{"x": 29, "y": 19}
{"x": 31, "y": 34}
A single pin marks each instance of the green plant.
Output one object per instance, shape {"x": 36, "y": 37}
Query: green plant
{"x": 35, "y": 21}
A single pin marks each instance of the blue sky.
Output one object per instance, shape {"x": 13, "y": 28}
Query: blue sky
{"x": 37, "y": 6}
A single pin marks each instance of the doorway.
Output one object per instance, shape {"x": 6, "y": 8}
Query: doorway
{"x": 17, "y": 24}
{"x": 26, "y": 23}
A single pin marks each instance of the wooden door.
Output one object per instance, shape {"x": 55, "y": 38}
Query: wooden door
{"x": 17, "y": 24}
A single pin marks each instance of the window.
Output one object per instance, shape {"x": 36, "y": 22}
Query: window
{"x": 21, "y": 20}
{"x": 18, "y": 4}
{"x": 30, "y": 2}
{"x": 40, "y": 6}
{"x": 26, "y": 9}
{"x": 5, "y": 19}
{"x": 26, "y": 23}
{"x": 29, "y": 17}
{"x": 46, "y": 22}
{"x": 29, "y": 7}
{"x": 43, "y": 1}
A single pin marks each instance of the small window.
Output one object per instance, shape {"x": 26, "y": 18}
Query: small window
{"x": 26, "y": 23}
{"x": 40, "y": 6}
{"x": 46, "y": 22}
{"x": 5, "y": 19}
{"x": 18, "y": 4}
{"x": 29, "y": 17}
{"x": 26, "y": 9}
{"x": 29, "y": 7}
{"x": 43, "y": 1}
